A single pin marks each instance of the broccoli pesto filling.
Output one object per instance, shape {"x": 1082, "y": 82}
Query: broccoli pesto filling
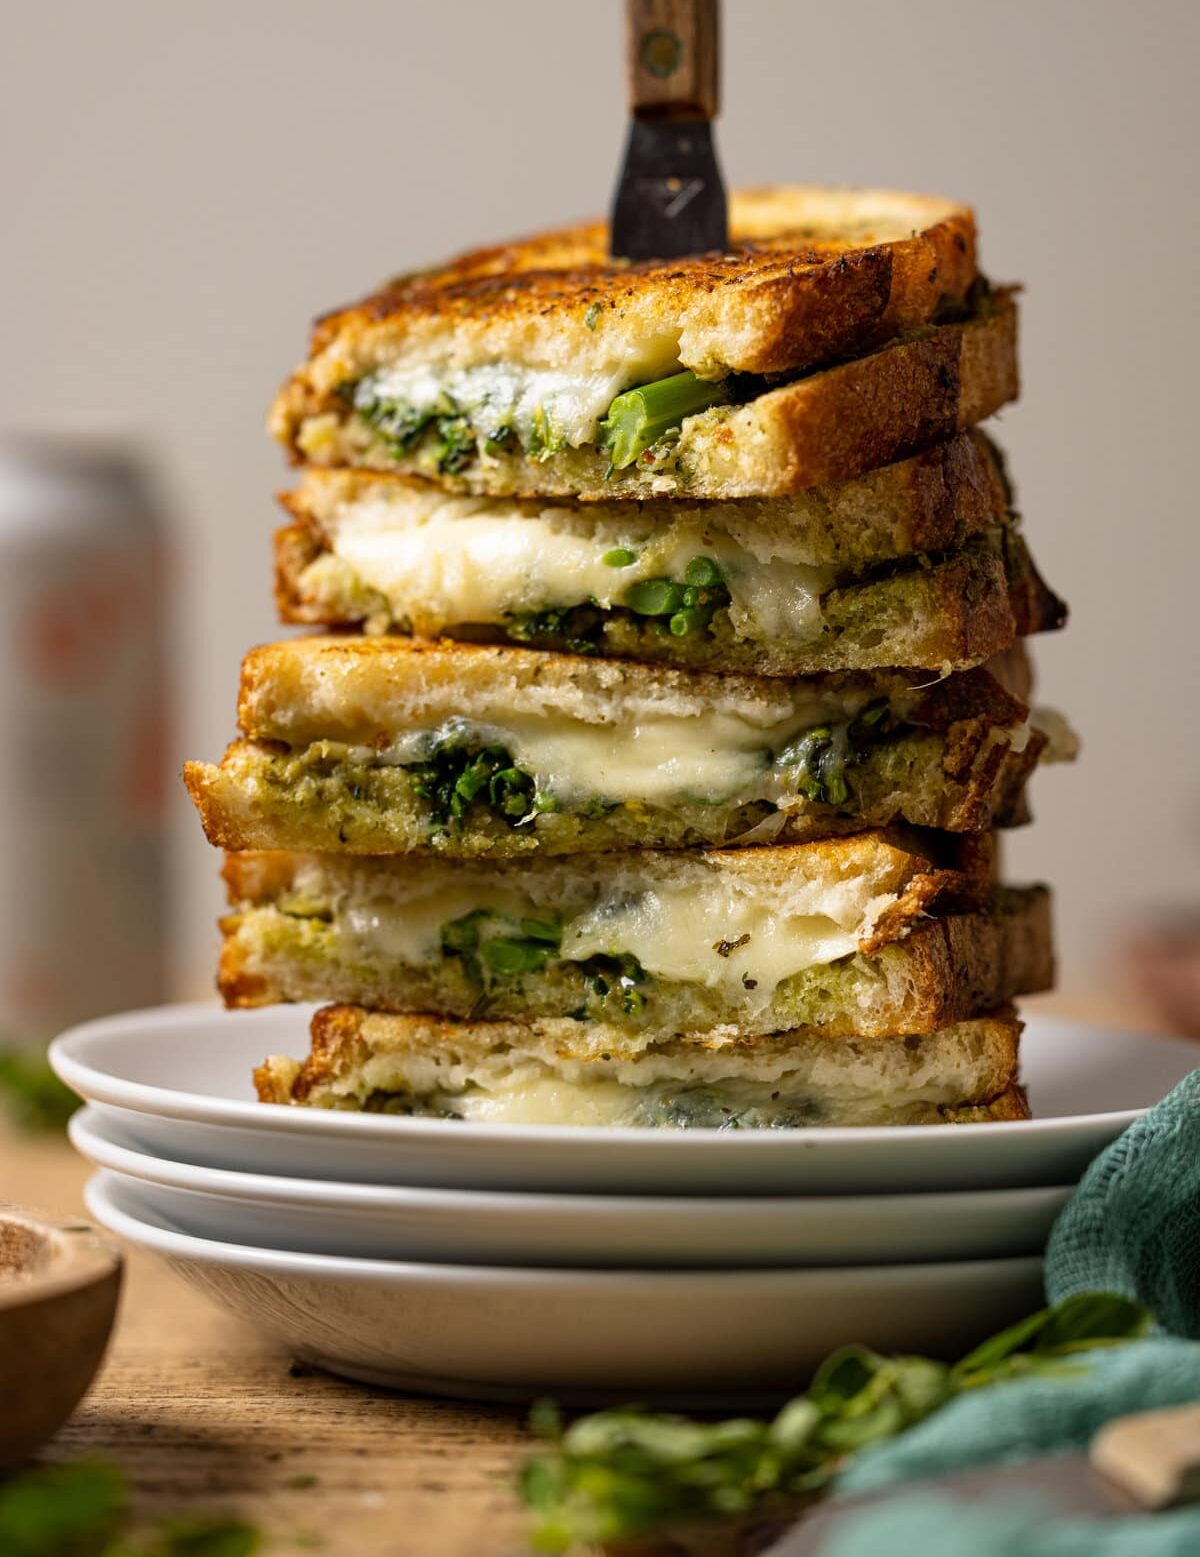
{"x": 463, "y": 772}
{"x": 453, "y": 416}
{"x": 579, "y": 949}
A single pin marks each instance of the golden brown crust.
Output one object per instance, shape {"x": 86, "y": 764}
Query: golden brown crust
{"x": 893, "y": 858}
{"x": 958, "y": 965}
{"x": 1011, "y": 1104}
{"x": 296, "y": 546}
{"x": 1035, "y": 606}
{"x": 963, "y": 865}
{"x": 809, "y": 274}
{"x": 882, "y": 407}
{"x": 341, "y": 687}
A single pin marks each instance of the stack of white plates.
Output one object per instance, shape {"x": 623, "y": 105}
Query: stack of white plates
{"x": 506, "y": 1262}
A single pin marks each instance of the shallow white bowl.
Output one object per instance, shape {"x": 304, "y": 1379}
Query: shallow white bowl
{"x": 488, "y": 1227}
{"x": 693, "y": 1337}
{"x": 176, "y": 1082}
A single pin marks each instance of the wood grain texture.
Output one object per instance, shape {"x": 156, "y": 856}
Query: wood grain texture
{"x": 205, "y": 1415}
{"x": 671, "y": 48}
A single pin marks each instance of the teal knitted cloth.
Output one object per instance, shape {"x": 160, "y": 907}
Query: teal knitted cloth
{"x": 929, "y": 1525}
{"x": 1132, "y": 1226}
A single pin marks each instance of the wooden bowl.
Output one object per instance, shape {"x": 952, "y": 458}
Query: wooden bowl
{"x": 59, "y": 1283}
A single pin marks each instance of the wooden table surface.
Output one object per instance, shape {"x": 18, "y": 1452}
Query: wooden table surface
{"x": 205, "y": 1415}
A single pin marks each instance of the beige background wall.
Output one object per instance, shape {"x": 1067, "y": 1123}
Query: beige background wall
{"x": 181, "y": 187}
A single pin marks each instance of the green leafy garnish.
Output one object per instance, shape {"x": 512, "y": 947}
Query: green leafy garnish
{"x": 511, "y": 956}
{"x": 1046, "y": 1341}
{"x": 82, "y": 1509}
{"x": 499, "y": 440}
{"x": 33, "y": 1095}
{"x": 620, "y": 1474}
{"x": 640, "y": 417}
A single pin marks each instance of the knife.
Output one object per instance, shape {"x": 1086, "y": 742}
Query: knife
{"x": 670, "y": 199}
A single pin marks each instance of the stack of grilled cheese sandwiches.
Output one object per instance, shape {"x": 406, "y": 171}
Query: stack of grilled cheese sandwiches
{"x": 669, "y": 685}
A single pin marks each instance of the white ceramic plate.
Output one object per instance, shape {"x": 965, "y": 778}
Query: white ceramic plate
{"x": 693, "y": 1337}
{"x": 176, "y": 1082}
{"x": 484, "y": 1227}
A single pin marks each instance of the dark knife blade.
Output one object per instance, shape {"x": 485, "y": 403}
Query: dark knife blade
{"x": 670, "y": 200}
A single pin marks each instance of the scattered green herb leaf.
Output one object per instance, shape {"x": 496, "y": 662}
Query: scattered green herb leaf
{"x": 81, "y": 1509}
{"x": 33, "y": 1095}
{"x": 617, "y": 1475}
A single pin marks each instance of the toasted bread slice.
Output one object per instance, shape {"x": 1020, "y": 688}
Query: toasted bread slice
{"x": 823, "y": 581}
{"x": 811, "y": 274}
{"x": 386, "y": 745}
{"x": 859, "y": 935}
{"x": 570, "y": 1073}
{"x": 932, "y": 502}
{"x": 831, "y": 425}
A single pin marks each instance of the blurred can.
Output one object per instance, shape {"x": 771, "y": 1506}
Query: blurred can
{"x": 82, "y": 683}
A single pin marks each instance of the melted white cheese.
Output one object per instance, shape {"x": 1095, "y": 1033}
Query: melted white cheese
{"x": 723, "y": 937}
{"x": 548, "y": 1100}
{"x": 711, "y": 757}
{"x": 498, "y": 395}
{"x": 442, "y": 562}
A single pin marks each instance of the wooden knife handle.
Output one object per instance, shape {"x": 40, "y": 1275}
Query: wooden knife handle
{"x": 1154, "y": 1457}
{"x": 671, "y": 47}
